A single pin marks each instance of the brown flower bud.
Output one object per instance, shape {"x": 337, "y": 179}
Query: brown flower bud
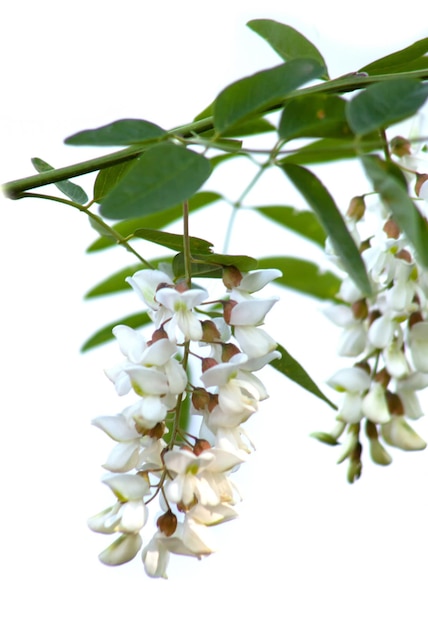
{"x": 213, "y": 402}
{"x": 364, "y": 366}
{"x": 159, "y": 333}
{"x": 415, "y": 318}
{"x": 228, "y": 305}
{"x": 383, "y": 377}
{"x": 200, "y": 398}
{"x": 210, "y": 332}
{"x": 391, "y": 229}
{"x": 200, "y": 446}
{"x": 395, "y": 406}
{"x": 208, "y": 362}
{"x": 158, "y": 431}
{"x": 373, "y": 315}
{"x": 357, "y": 208}
{"x": 231, "y": 277}
{"x": 400, "y": 146}
{"x": 360, "y": 309}
{"x": 167, "y": 523}
{"x": 404, "y": 255}
{"x": 420, "y": 180}
{"x": 228, "y": 350}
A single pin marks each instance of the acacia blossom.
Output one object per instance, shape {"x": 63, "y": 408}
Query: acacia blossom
{"x": 153, "y": 461}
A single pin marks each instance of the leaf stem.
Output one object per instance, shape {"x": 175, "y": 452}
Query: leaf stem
{"x": 94, "y": 217}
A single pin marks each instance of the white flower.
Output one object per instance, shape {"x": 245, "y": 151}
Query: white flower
{"x": 374, "y": 405}
{"x": 129, "y": 514}
{"x": 245, "y": 317}
{"x": 181, "y": 305}
{"x": 352, "y": 382}
{"x": 354, "y": 336}
{"x": 400, "y": 434}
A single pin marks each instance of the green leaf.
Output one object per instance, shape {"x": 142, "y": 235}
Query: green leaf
{"x": 160, "y": 178}
{"x": 173, "y": 241}
{"x": 288, "y": 366}
{"x": 304, "y": 223}
{"x": 388, "y": 181}
{"x": 250, "y": 95}
{"x": 119, "y": 133}
{"x": 327, "y": 150}
{"x": 287, "y": 42}
{"x": 69, "y": 189}
{"x": 318, "y": 115}
{"x": 105, "y": 334}
{"x": 108, "y": 178}
{"x": 210, "y": 265}
{"x": 159, "y": 220}
{"x": 385, "y": 103}
{"x": 303, "y": 276}
{"x": 321, "y": 202}
{"x": 405, "y": 60}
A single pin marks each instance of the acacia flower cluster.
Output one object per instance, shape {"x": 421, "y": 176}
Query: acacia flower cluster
{"x": 156, "y": 461}
{"x": 386, "y": 335}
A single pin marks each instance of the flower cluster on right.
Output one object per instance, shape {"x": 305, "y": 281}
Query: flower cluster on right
{"x": 386, "y": 335}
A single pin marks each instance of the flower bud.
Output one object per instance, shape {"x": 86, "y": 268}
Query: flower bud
{"x": 158, "y": 431}
{"x": 231, "y": 277}
{"x": 210, "y": 332}
{"x": 200, "y": 398}
{"x": 167, "y": 523}
{"x": 200, "y": 446}
{"x": 395, "y": 406}
{"x": 404, "y": 255}
{"x": 420, "y": 180}
{"x": 357, "y": 208}
{"x": 383, "y": 377}
{"x": 228, "y": 306}
{"x": 360, "y": 309}
{"x": 159, "y": 333}
{"x": 392, "y": 229}
{"x": 228, "y": 350}
{"x": 400, "y": 146}
{"x": 208, "y": 362}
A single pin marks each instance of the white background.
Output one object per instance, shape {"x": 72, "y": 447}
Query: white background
{"x": 308, "y": 548}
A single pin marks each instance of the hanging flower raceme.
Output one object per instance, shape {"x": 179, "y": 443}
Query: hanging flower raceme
{"x": 388, "y": 335}
{"x": 156, "y": 460}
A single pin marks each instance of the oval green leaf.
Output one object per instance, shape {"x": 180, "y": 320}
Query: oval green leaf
{"x": 385, "y": 103}
{"x": 287, "y": 42}
{"x": 160, "y": 178}
{"x": 388, "y": 182}
{"x": 303, "y": 276}
{"x": 318, "y": 115}
{"x": 69, "y": 189}
{"x": 289, "y": 367}
{"x": 261, "y": 91}
{"x": 304, "y": 223}
{"x": 173, "y": 241}
{"x": 321, "y": 202}
{"x": 159, "y": 220}
{"x": 120, "y": 133}
{"x": 405, "y": 60}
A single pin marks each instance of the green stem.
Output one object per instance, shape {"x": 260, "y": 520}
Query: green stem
{"x": 186, "y": 245}
{"x": 96, "y": 218}
{"x": 15, "y": 189}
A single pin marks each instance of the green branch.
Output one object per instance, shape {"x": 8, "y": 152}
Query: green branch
{"x": 15, "y": 189}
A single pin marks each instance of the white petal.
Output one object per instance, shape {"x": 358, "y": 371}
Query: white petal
{"x": 250, "y": 312}
{"x": 398, "y": 433}
{"x": 255, "y": 342}
{"x": 133, "y": 517}
{"x": 131, "y": 342}
{"x": 127, "y": 486}
{"x": 374, "y": 405}
{"x": 381, "y": 332}
{"x": 353, "y": 379}
{"x": 256, "y": 280}
{"x": 123, "y": 457}
{"x": 122, "y": 550}
{"x": 116, "y": 426}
